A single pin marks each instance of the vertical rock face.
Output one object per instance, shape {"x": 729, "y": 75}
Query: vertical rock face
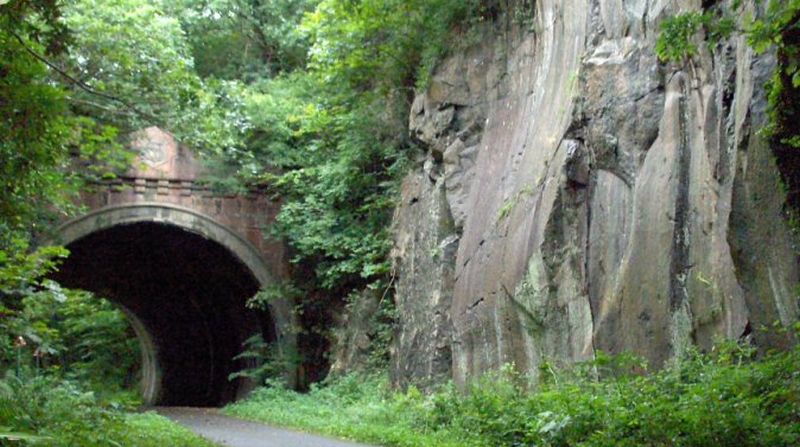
{"x": 579, "y": 195}
{"x": 425, "y": 254}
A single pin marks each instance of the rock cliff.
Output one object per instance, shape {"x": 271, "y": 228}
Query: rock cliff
{"x": 577, "y": 194}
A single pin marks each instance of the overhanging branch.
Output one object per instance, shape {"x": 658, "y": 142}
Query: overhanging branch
{"x": 81, "y": 84}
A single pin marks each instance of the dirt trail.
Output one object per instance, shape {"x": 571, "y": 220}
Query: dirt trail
{"x": 231, "y": 432}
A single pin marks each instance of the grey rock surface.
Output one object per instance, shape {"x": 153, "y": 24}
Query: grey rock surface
{"x": 424, "y": 255}
{"x": 599, "y": 199}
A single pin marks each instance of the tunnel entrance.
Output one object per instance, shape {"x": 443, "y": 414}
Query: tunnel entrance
{"x": 188, "y": 293}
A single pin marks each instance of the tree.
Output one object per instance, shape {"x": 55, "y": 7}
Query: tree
{"x": 35, "y": 132}
{"x": 245, "y": 40}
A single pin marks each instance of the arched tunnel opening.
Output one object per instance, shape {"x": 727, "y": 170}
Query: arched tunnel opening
{"x": 187, "y": 296}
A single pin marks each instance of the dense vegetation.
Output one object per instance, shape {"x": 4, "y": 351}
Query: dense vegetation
{"x": 722, "y": 399}
{"x": 43, "y": 411}
{"x": 327, "y": 133}
{"x": 69, "y": 365}
{"x": 306, "y": 99}
{"x": 67, "y": 334}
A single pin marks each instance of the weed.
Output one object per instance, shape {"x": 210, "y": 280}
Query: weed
{"x": 725, "y": 398}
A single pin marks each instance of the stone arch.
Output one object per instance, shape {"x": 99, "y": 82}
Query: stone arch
{"x": 151, "y": 373}
{"x": 194, "y": 222}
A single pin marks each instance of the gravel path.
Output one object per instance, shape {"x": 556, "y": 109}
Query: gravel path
{"x": 232, "y": 432}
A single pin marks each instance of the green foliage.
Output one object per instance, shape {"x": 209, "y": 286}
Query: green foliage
{"x": 50, "y": 412}
{"x": 22, "y": 271}
{"x": 38, "y": 20}
{"x": 32, "y": 149}
{"x": 129, "y": 49}
{"x": 270, "y": 361}
{"x": 79, "y": 336}
{"x": 778, "y": 30}
{"x": 378, "y": 44}
{"x": 523, "y": 14}
{"x": 67, "y": 333}
{"x": 768, "y": 31}
{"x": 724, "y": 399}
{"x": 332, "y": 170}
{"x": 678, "y": 39}
{"x": 331, "y": 141}
{"x": 47, "y": 152}
{"x": 273, "y": 292}
{"x": 131, "y": 65}
{"x": 338, "y": 202}
{"x": 244, "y": 39}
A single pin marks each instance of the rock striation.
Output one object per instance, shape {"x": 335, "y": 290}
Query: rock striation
{"x": 577, "y": 195}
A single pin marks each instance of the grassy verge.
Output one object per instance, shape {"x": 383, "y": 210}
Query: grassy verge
{"x": 361, "y": 408}
{"x": 725, "y": 398}
{"x": 43, "y": 411}
{"x": 153, "y": 430}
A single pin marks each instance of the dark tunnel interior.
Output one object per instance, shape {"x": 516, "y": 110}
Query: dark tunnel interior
{"x": 189, "y": 292}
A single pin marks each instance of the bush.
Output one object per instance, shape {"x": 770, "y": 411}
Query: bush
{"x": 723, "y": 399}
{"x": 51, "y": 412}
{"x": 73, "y": 343}
{"x": 75, "y": 335}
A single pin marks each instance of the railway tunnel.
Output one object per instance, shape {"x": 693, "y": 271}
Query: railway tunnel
{"x": 181, "y": 262}
{"x": 188, "y": 293}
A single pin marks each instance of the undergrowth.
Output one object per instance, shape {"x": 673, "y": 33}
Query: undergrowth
{"x": 723, "y": 399}
{"x": 44, "y": 411}
{"x": 68, "y": 365}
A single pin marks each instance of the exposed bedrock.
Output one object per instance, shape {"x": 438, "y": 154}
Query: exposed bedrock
{"x": 577, "y": 194}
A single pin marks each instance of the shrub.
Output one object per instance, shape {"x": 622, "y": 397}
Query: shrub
{"x": 723, "y": 399}
{"x": 57, "y": 413}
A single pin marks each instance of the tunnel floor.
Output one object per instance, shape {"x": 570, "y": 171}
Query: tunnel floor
{"x": 188, "y": 292}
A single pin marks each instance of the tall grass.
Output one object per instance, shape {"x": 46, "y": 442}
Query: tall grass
{"x": 725, "y": 398}
{"x": 45, "y": 411}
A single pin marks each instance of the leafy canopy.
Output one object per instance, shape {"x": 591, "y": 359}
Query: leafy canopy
{"x": 243, "y": 40}
{"x": 331, "y": 139}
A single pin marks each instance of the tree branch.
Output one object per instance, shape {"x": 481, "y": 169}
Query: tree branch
{"x": 98, "y": 106}
{"x": 80, "y": 84}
